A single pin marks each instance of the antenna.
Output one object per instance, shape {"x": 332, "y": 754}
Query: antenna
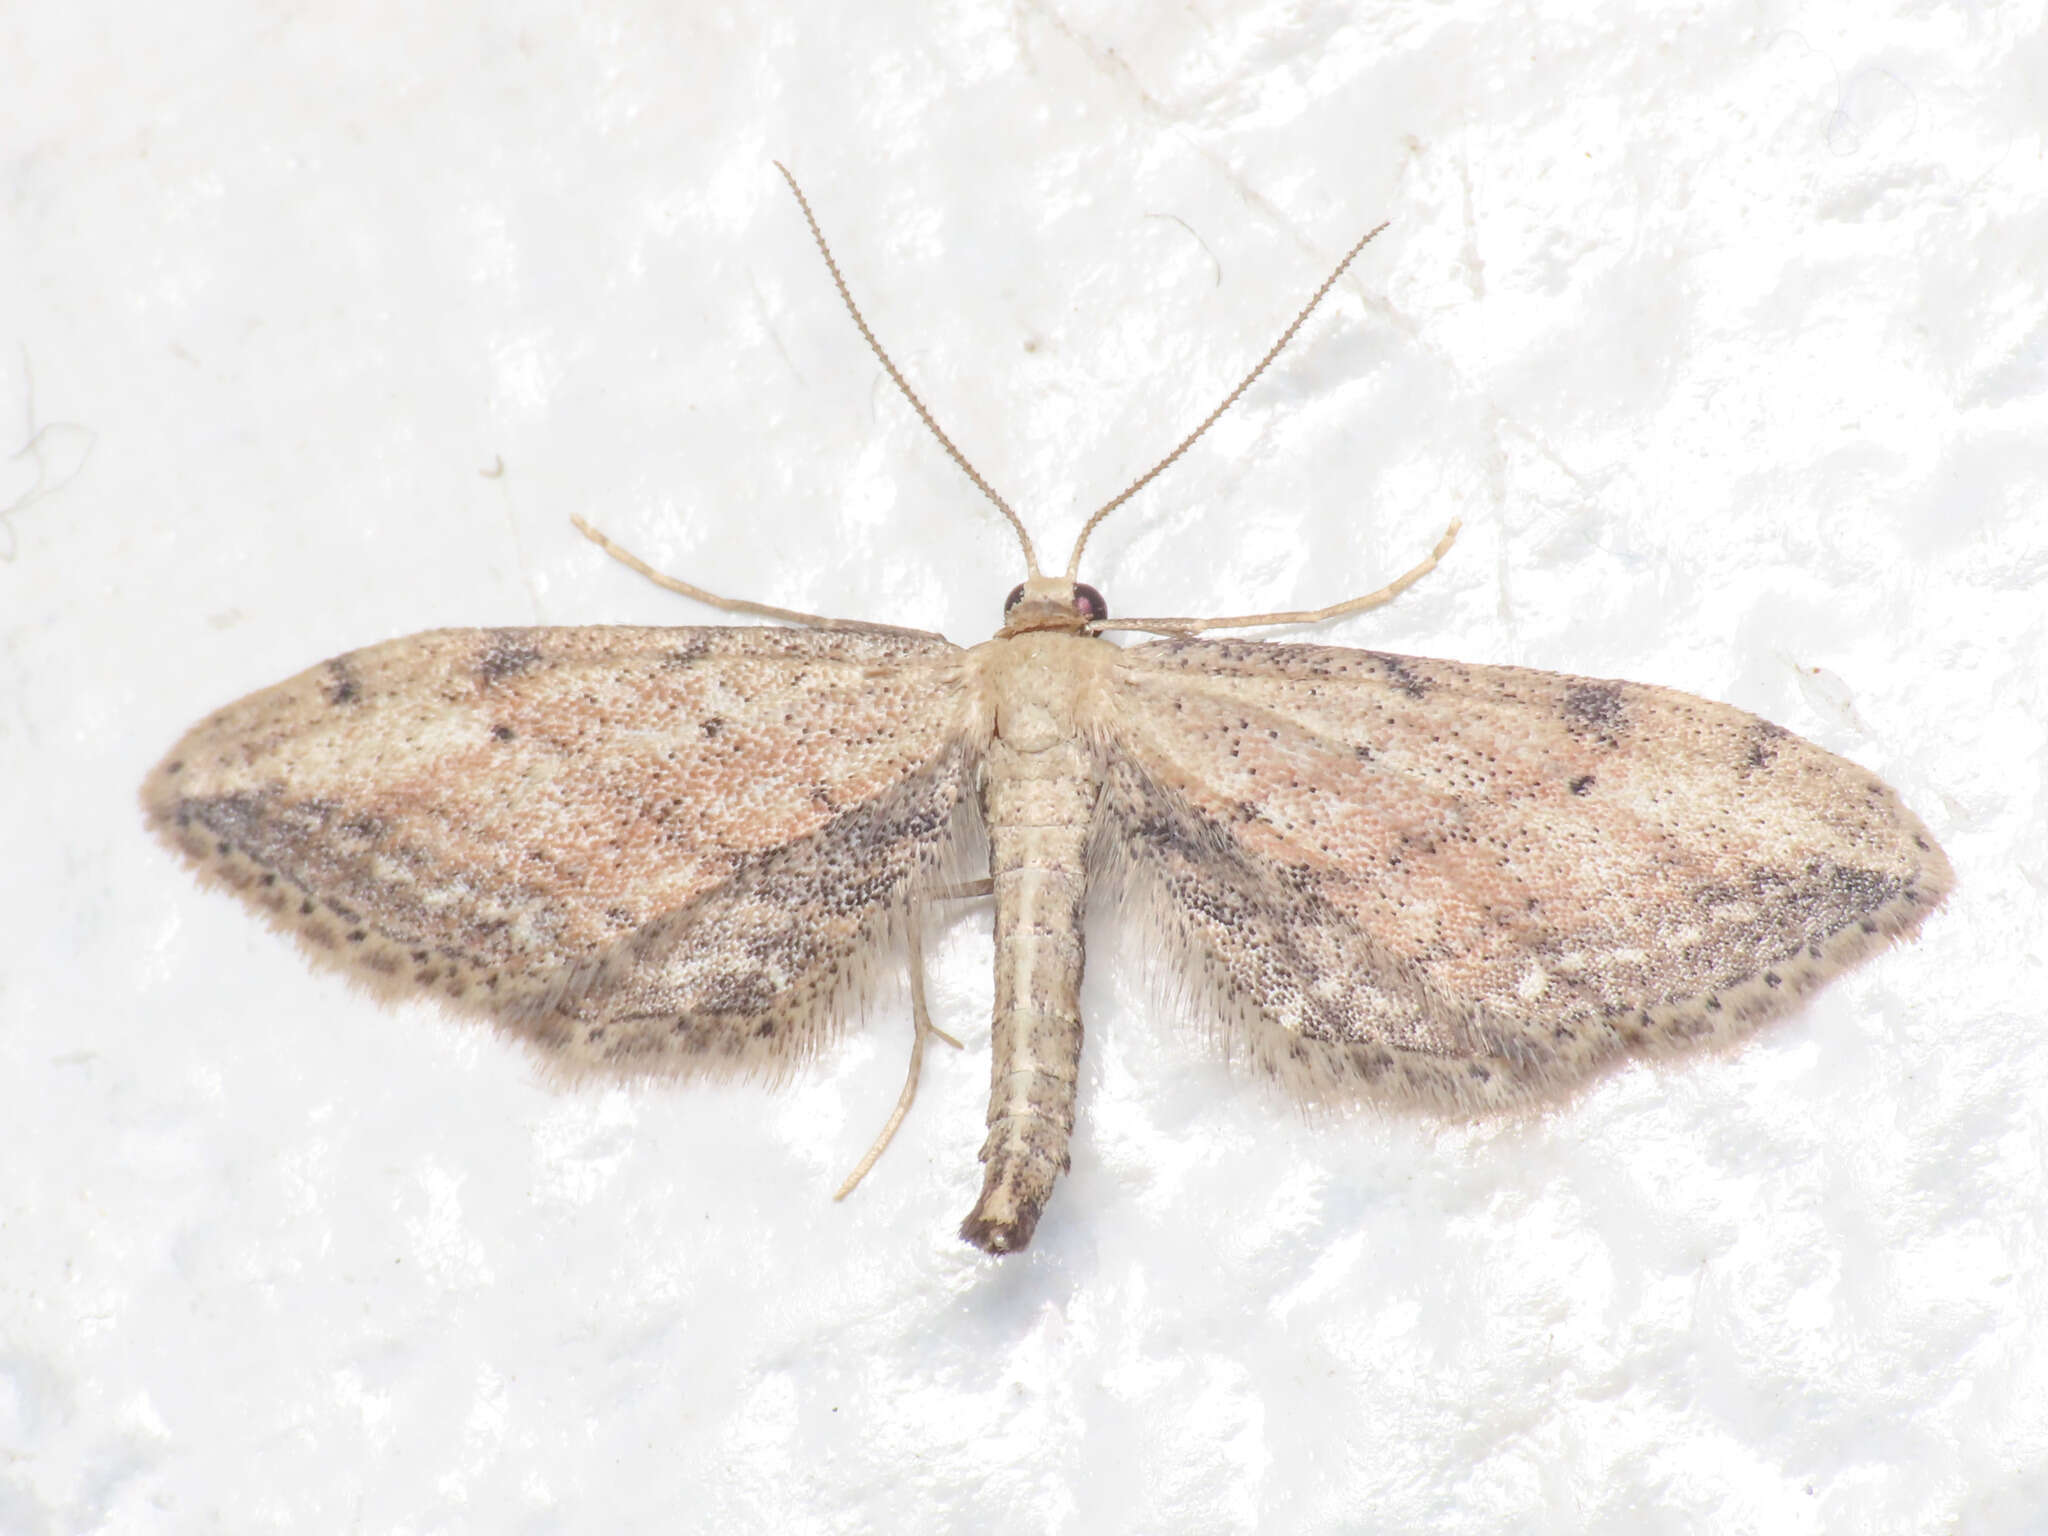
{"x": 945, "y": 442}
{"x": 1137, "y": 485}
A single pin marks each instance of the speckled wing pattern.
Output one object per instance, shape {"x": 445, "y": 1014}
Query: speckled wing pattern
{"x": 1473, "y": 887}
{"x": 647, "y": 851}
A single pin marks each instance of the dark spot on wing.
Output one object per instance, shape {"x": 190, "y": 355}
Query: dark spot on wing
{"x": 1398, "y": 673}
{"x": 342, "y": 687}
{"x": 1596, "y": 709}
{"x": 502, "y": 732}
{"x": 1763, "y": 745}
{"x": 690, "y": 652}
{"x": 1582, "y": 783}
{"x": 509, "y": 653}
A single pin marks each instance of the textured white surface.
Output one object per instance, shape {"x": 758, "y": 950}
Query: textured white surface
{"x": 1723, "y": 329}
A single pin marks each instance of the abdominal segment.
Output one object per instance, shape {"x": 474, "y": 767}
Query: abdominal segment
{"x": 1038, "y": 806}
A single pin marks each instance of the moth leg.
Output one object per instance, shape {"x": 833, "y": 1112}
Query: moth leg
{"x": 633, "y": 562}
{"x": 921, "y": 1019}
{"x": 1386, "y": 594}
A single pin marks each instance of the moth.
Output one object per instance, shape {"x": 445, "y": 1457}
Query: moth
{"x": 678, "y": 852}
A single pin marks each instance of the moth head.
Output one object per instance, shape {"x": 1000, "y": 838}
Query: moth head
{"x": 1052, "y": 602}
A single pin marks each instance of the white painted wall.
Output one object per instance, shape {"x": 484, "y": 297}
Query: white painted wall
{"x": 1721, "y": 326}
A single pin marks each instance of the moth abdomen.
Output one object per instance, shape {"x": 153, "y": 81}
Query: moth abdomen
{"x": 1040, "y": 807}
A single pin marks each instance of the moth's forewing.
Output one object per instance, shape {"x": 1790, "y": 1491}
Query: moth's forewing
{"x": 492, "y": 816}
{"x": 1472, "y": 887}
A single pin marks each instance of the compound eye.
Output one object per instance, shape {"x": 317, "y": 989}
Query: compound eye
{"x": 1011, "y": 601}
{"x": 1090, "y": 602}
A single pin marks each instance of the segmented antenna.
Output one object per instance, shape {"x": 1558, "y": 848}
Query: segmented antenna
{"x": 973, "y": 474}
{"x": 1137, "y": 485}
{"x": 945, "y": 442}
